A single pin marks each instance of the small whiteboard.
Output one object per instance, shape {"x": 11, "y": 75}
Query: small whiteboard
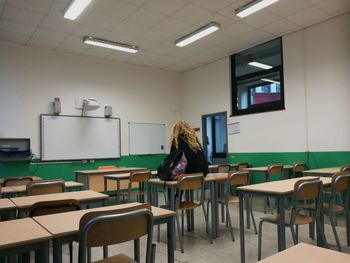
{"x": 146, "y": 138}
{"x": 79, "y": 138}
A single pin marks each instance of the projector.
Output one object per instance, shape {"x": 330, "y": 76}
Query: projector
{"x": 90, "y": 104}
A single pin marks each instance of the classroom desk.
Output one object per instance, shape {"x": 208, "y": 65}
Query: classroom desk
{"x": 280, "y": 190}
{"x": 322, "y": 171}
{"x": 68, "y": 231}
{"x": 20, "y": 189}
{"x": 7, "y": 207}
{"x": 35, "y": 178}
{"x": 263, "y": 169}
{"x": 22, "y": 236}
{"x": 213, "y": 168}
{"x": 307, "y": 254}
{"x": 24, "y": 203}
{"x": 93, "y": 179}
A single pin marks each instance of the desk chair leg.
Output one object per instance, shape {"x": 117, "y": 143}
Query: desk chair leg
{"x": 207, "y": 223}
{"x": 250, "y": 203}
{"x": 179, "y": 233}
{"x": 331, "y": 219}
{"x": 182, "y": 222}
{"x": 71, "y": 252}
{"x": 137, "y": 250}
{"x": 153, "y": 255}
{"x": 228, "y": 219}
{"x": 259, "y": 239}
{"x": 293, "y": 235}
{"x": 207, "y": 228}
{"x": 158, "y": 234}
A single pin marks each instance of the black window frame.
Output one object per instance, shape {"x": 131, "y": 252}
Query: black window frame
{"x": 261, "y": 107}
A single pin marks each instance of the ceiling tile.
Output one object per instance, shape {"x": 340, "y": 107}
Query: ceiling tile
{"x": 49, "y": 35}
{"x": 222, "y": 20}
{"x": 236, "y": 45}
{"x": 13, "y": 37}
{"x": 120, "y": 56}
{"x": 164, "y": 48}
{"x": 100, "y": 21}
{"x": 165, "y": 7}
{"x": 175, "y": 26}
{"x": 146, "y": 18}
{"x": 43, "y": 43}
{"x": 82, "y": 30}
{"x": 308, "y": 16}
{"x": 156, "y": 36}
{"x": 237, "y": 29}
{"x": 18, "y": 28}
{"x": 282, "y": 27}
{"x": 58, "y": 24}
{"x": 217, "y": 38}
{"x": 211, "y": 5}
{"x": 22, "y": 16}
{"x": 229, "y": 11}
{"x": 286, "y": 8}
{"x": 191, "y": 14}
{"x": 39, "y": 6}
{"x": 134, "y": 2}
{"x": 257, "y": 36}
{"x": 115, "y": 9}
{"x": 335, "y": 7}
{"x": 97, "y": 52}
{"x": 73, "y": 49}
{"x": 126, "y": 31}
{"x": 260, "y": 19}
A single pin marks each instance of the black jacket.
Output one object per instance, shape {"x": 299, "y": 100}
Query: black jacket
{"x": 196, "y": 161}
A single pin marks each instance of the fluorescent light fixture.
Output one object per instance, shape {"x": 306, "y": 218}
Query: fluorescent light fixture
{"x": 271, "y": 81}
{"x": 253, "y": 7}
{"x": 199, "y": 33}
{"x": 259, "y": 65}
{"x": 75, "y": 8}
{"x": 109, "y": 44}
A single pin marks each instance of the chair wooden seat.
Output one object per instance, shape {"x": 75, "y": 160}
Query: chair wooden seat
{"x": 133, "y": 193}
{"x": 232, "y": 200}
{"x": 120, "y": 258}
{"x": 335, "y": 208}
{"x": 299, "y": 220}
{"x": 186, "y": 205}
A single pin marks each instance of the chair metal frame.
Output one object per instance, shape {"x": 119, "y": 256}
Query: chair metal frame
{"x": 134, "y": 178}
{"x": 271, "y": 172}
{"x": 101, "y": 219}
{"x": 43, "y": 184}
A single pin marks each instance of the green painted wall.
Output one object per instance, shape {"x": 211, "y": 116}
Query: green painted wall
{"x": 66, "y": 170}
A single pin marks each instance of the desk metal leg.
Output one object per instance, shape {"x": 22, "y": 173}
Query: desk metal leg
{"x": 241, "y": 226}
{"x": 213, "y": 210}
{"x": 281, "y": 228}
{"x": 105, "y": 184}
{"x": 118, "y": 192}
{"x": 57, "y": 250}
{"x": 171, "y": 239}
{"x": 42, "y": 256}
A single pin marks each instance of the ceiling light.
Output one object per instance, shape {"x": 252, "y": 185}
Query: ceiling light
{"x": 253, "y": 7}
{"x": 109, "y": 44}
{"x": 199, "y": 33}
{"x": 271, "y": 81}
{"x": 75, "y": 8}
{"x": 259, "y": 65}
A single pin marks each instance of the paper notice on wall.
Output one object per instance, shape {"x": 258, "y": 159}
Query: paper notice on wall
{"x": 233, "y": 128}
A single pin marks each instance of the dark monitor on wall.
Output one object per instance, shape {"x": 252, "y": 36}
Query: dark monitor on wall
{"x": 15, "y": 149}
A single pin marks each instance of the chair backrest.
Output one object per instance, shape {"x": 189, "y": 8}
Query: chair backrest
{"x": 345, "y": 169}
{"x": 274, "y": 169}
{"x": 238, "y": 178}
{"x": 299, "y": 167}
{"x": 307, "y": 189}
{"x": 105, "y": 228}
{"x": 45, "y": 187}
{"x": 16, "y": 181}
{"x": 54, "y": 207}
{"x": 140, "y": 176}
{"x": 341, "y": 182}
{"x": 190, "y": 181}
{"x": 241, "y": 166}
{"x": 224, "y": 168}
{"x": 107, "y": 167}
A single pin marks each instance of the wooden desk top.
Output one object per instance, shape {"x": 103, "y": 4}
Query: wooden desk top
{"x": 21, "y": 232}
{"x": 53, "y": 223}
{"x": 307, "y": 254}
{"x": 6, "y": 204}
{"x": 283, "y": 187}
{"x": 264, "y": 168}
{"x": 22, "y": 188}
{"x": 122, "y": 176}
{"x": 323, "y": 171}
{"x": 28, "y": 201}
{"x": 35, "y": 178}
{"x": 103, "y": 171}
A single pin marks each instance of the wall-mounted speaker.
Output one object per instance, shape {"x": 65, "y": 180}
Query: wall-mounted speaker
{"x": 108, "y": 111}
{"x": 56, "y": 106}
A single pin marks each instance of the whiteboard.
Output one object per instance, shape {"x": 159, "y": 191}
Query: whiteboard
{"x": 79, "y": 138}
{"x": 146, "y": 138}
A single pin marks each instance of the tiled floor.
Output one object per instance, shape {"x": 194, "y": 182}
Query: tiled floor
{"x": 223, "y": 250}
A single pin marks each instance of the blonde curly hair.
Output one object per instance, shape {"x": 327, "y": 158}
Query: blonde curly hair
{"x": 183, "y": 129}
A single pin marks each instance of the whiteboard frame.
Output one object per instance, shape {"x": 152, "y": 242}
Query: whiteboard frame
{"x": 144, "y": 154}
{"x": 81, "y": 159}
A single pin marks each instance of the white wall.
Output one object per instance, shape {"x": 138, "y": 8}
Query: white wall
{"x": 30, "y": 79}
{"x": 317, "y": 77}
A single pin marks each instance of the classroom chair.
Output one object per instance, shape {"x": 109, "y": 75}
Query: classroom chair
{"x": 242, "y": 166}
{"x": 340, "y": 188}
{"x": 140, "y": 177}
{"x": 107, "y": 167}
{"x": 234, "y": 179}
{"x": 55, "y": 207}
{"x": 273, "y": 170}
{"x": 305, "y": 190}
{"x": 45, "y": 187}
{"x": 16, "y": 181}
{"x": 223, "y": 168}
{"x": 185, "y": 184}
{"x": 345, "y": 169}
{"x": 297, "y": 169}
{"x": 105, "y": 228}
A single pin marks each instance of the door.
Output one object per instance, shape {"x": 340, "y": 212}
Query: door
{"x": 215, "y": 137}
